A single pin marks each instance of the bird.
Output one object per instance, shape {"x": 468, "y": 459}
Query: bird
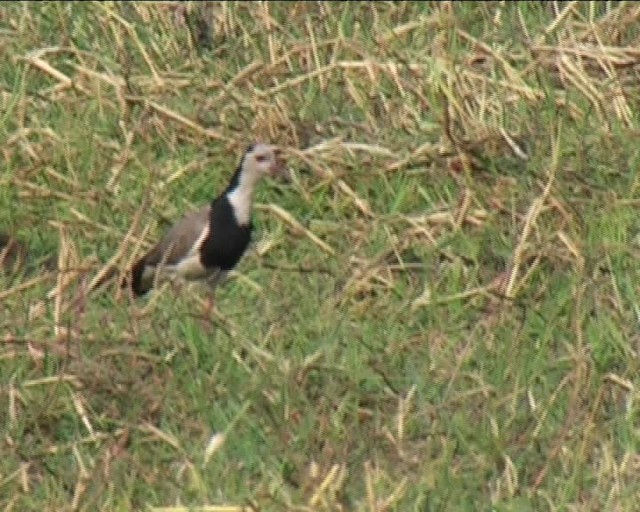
{"x": 209, "y": 242}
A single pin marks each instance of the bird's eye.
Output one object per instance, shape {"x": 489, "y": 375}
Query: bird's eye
{"x": 261, "y": 158}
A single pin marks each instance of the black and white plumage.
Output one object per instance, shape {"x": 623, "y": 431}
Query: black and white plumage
{"x": 207, "y": 243}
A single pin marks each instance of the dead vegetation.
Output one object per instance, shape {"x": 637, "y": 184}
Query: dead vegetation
{"x": 440, "y": 313}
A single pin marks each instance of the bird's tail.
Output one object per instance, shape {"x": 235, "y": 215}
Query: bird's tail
{"x": 133, "y": 279}
{"x": 138, "y": 284}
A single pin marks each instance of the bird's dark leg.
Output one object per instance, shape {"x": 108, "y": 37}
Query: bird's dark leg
{"x": 212, "y": 282}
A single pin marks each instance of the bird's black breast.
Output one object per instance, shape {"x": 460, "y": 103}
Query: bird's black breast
{"x": 227, "y": 240}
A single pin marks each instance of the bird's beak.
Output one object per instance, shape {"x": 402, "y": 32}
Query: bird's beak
{"x": 279, "y": 169}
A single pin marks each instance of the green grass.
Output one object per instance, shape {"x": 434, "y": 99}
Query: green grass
{"x": 467, "y": 337}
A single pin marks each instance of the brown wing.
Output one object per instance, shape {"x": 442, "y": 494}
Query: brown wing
{"x": 179, "y": 240}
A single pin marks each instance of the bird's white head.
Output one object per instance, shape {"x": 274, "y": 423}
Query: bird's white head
{"x": 264, "y": 160}
{"x": 258, "y": 161}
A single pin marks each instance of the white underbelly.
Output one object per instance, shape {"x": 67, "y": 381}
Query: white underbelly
{"x": 189, "y": 269}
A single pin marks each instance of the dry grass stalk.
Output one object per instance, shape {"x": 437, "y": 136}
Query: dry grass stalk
{"x": 325, "y": 494}
{"x": 532, "y": 215}
{"x": 205, "y": 508}
{"x": 175, "y": 116}
{"x": 296, "y": 227}
{"x": 387, "y": 99}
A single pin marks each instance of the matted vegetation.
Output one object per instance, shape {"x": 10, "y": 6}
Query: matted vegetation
{"x": 440, "y": 313}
